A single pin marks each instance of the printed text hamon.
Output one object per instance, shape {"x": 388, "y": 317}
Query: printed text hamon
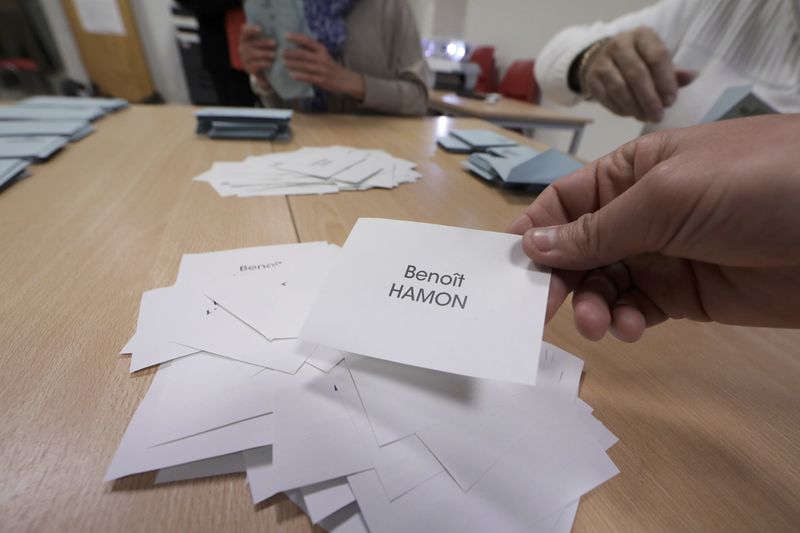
{"x": 433, "y": 296}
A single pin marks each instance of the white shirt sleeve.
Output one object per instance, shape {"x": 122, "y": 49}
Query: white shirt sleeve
{"x": 552, "y": 66}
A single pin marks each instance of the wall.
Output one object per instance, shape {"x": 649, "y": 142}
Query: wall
{"x": 156, "y": 34}
{"x": 519, "y": 29}
{"x": 62, "y": 35}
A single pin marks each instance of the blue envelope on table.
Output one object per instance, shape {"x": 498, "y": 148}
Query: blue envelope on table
{"x": 32, "y": 148}
{"x": 11, "y": 169}
{"x": 521, "y": 166}
{"x": 464, "y": 141}
{"x": 108, "y": 105}
{"x": 72, "y": 129}
{"x": 737, "y": 102}
{"x": 24, "y": 112}
{"x": 244, "y": 123}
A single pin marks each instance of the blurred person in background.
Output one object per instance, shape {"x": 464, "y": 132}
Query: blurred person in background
{"x": 364, "y": 56}
{"x": 667, "y": 64}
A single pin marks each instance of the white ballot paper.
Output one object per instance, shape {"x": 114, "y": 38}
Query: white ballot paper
{"x": 456, "y": 300}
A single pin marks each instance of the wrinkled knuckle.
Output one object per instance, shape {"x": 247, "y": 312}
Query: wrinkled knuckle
{"x": 614, "y": 85}
{"x": 604, "y": 74}
{"x": 661, "y": 55}
{"x": 616, "y": 46}
{"x": 587, "y": 242}
{"x": 596, "y": 89}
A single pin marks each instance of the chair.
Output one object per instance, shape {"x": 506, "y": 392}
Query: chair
{"x": 483, "y": 56}
{"x": 26, "y": 71}
{"x": 234, "y": 19}
{"x": 519, "y": 82}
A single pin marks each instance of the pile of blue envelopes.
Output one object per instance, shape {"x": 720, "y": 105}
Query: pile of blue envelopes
{"x": 499, "y": 159}
{"x": 244, "y": 123}
{"x": 36, "y": 128}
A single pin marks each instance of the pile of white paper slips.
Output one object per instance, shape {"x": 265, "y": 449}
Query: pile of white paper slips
{"x": 319, "y": 170}
{"x": 359, "y": 443}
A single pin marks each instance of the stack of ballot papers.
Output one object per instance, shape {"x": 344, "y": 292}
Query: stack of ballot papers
{"x": 244, "y": 123}
{"x": 380, "y": 441}
{"x": 310, "y": 170}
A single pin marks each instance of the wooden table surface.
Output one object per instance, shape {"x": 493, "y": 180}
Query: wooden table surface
{"x": 505, "y": 109}
{"x": 708, "y": 416}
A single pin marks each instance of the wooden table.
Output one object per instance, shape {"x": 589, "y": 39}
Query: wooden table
{"x": 510, "y": 113}
{"x": 708, "y": 416}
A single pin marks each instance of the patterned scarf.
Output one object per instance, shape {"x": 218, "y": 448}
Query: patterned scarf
{"x": 325, "y": 19}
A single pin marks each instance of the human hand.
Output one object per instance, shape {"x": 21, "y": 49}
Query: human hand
{"x": 257, "y": 52}
{"x": 310, "y": 62}
{"x": 632, "y": 75}
{"x": 700, "y": 223}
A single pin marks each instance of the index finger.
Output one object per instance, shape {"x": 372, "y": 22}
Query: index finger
{"x": 249, "y": 31}
{"x": 659, "y": 61}
{"x": 304, "y": 40}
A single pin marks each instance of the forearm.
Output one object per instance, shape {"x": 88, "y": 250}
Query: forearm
{"x": 395, "y": 96}
{"x": 561, "y": 56}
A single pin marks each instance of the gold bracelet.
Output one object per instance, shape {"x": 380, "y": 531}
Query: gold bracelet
{"x": 584, "y": 64}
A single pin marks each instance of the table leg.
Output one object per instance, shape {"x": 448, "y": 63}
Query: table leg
{"x": 577, "y": 135}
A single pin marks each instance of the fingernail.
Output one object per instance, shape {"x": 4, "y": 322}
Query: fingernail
{"x": 543, "y": 239}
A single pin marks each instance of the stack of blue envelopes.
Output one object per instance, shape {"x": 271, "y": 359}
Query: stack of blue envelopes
{"x": 496, "y": 158}
{"x": 107, "y": 105}
{"x": 521, "y": 166}
{"x": 244, "y": 123}
{"x": 37, "y": 127}
{"x": 73, "y": 130}
{"x": 36, "y": 148}
{"x": 11, "y": 169}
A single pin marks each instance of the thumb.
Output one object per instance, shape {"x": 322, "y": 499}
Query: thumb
{"x": 685, "y": 77}
{"x": 620, "y": 229}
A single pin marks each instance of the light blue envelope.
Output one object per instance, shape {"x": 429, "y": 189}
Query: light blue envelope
{"x": 50, "y": 113}
{"x": 106, "y": 104}
{"x": 482, "y": 139}
{"x": 246, "y": 113}
{"x": 737, "y": 102}
{"x": 276, "y": 18}
{"x": 10, "y": 169}
{"x": 36, "y": 148}
{"x": 522, "y": 165}
{"x": 73, "y": 129}
{"x": 453, "y": 145}
{"x": 543, "y": 169}
{"x": 239, "y": 130}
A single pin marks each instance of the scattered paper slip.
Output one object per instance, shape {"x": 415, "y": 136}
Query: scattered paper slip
{"x": 310, "y": 170}
{"x": 358, "y": 443}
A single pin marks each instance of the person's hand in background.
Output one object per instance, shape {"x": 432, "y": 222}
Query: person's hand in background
{"x": 632, "y": 74}
{"x": 257, "y": 53}
{"x": 310, "y": 62}
{"x": 700, "y": 223}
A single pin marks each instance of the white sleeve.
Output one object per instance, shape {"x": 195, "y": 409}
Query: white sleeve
{"x": 552, "y": 66}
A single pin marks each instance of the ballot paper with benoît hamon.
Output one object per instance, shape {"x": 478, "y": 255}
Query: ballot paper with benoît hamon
{"x": 456, "y": 300}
